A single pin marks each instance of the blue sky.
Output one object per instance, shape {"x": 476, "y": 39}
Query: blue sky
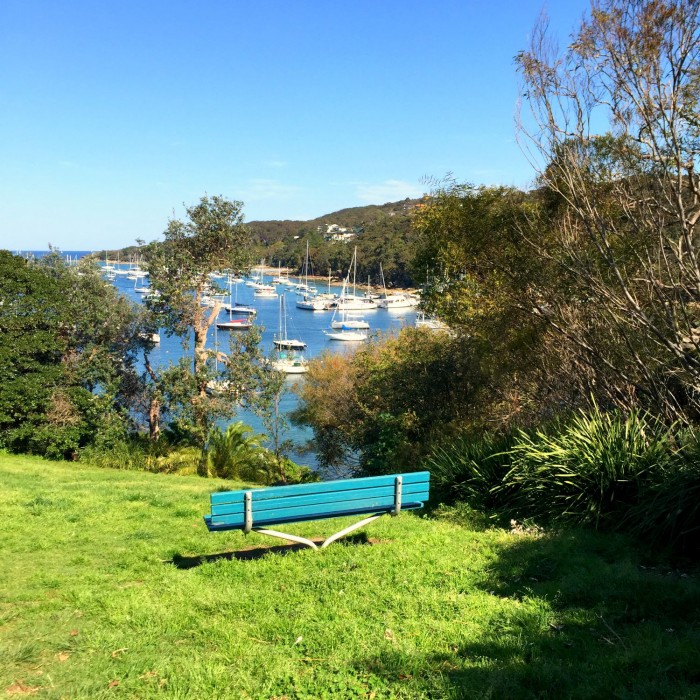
{"x": 114, "y": 114}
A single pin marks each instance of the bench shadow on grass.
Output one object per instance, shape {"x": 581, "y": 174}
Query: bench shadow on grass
{"x": 182, "y": 561}
{"x": 577, "y": 615}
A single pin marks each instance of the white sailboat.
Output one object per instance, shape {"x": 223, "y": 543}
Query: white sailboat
{"x": 312, "y": 302}
{"x": 290, "y": 359}
{"x": 140, "y": 288}
{"x": 217, "y": 386}
{"x": 237, "y": 307}
{"x": 431, "y": 323}
{"x": 283, "y": 341}
{"x": 307, "y": 297}
{"x": 341, "y": 330}
{"x": 353, "y": 302}
{"x": 354, "y": 321}
{"x": 397, "y": 300}
{"x": 262, "y": 290}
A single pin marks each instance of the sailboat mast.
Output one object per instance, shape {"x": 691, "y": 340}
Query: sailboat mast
{"x": 354, "y": 272}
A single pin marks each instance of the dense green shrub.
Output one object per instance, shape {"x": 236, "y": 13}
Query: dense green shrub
{"x": 608, "y": 471}
{"x": 590, "y": 471}
{"x": 236, "y": 454}
{"x": 132, "y": 452}
{"x": 67, "y": 344}
{"x": 668, "y": 512}
{"x": 469, "y": 469}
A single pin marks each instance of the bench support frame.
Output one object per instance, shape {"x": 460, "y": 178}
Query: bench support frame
{"x": 327, "y": 541}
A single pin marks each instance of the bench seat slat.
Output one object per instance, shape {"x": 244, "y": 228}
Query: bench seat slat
{"x": 237, "y": 525}
{"x": 319, "y": 487}
{"x": 283, "y": 514}
{"x": 411, "y": 492}
{"x": 276, "y": 505}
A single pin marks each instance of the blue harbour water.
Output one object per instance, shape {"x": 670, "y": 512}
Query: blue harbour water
{"x": 308, "y": 326}
{"x": 304, "y": 325}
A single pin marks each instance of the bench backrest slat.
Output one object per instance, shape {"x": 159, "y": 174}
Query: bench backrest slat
{"x": 316, "y": 500}
{"x": 412, "y": 492}
{"x": 261, "y": 494}
{"x": 286, "y": 515}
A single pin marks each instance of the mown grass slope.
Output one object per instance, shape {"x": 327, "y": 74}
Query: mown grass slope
{"x": 111, "y": 587}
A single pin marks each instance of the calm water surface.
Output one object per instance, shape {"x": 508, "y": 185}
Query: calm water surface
{"x": 301, "y": 324}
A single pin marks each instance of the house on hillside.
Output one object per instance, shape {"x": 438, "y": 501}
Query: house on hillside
{"x": 334, "y": 232}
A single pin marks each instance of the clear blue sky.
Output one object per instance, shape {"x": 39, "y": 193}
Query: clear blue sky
{"x": 113, "y": 113}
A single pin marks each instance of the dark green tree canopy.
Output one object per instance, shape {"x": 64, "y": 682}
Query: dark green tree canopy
{"x": 67, "y": 343}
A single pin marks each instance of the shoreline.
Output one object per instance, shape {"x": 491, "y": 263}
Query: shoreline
{"x": 319, "y": 279}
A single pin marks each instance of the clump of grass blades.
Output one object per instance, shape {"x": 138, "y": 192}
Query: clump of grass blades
{"x": 469, "y": 469}
{"x": 140, "y": 453}
{"x": 668, "y": 512}
{"x": 123, "y": 454}
{"x": 590, "y": 472}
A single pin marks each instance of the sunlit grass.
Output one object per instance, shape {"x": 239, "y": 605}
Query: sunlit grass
{"x": 111, "y": 586}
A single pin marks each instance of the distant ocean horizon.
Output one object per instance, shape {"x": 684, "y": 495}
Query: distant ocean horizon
{"x": 72, "y": 254}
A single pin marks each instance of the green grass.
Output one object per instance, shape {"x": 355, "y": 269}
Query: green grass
{"x": 111, "y": 587}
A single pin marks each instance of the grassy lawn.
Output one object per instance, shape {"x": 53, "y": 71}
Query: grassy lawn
{"x": 111, "y": 587}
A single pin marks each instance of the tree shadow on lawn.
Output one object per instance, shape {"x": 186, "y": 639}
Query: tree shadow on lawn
{"x": 582, "y": 616}
{"x": 182, "y": 561}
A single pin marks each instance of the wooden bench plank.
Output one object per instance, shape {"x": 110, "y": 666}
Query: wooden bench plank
{"x": 340, "y": 485}
{"x": 283, "y": 515}
{"x": 412, "y": 492}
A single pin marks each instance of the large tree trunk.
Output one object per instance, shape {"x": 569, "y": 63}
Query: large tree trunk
{"x": 154, "y": 406}
{"x": 154, "y": 420}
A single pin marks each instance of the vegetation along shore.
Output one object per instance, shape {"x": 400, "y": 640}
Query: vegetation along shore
{"x": 554, "y": 398}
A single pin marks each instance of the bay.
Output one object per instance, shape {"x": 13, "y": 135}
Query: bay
{"x": 308, "y": 326}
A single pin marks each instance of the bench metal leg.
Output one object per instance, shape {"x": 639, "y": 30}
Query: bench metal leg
{"x": 327, "y": 541}
{"x": 285, "y": 536}
{"x": 349, "y": 529}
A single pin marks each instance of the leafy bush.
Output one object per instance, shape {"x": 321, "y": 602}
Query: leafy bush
{"x": 604, "y": 470}
{"x": 234, "y": 454}
{"x": 469, "y": 469}
{"x": 589, "y": 472}
{"x": 129, "y": 453}
{"x": 668, "y": 512}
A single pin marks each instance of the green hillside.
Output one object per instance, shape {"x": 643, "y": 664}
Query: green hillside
{"x": 352, "y": 218}
{"x": 111, "y": 586}
{"x": 382, "y": 235}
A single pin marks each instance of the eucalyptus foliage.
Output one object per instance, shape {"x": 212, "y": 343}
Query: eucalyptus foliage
{"x": 67, "y": 348}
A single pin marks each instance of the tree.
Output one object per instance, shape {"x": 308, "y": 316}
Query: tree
{"x": 67, "y": 347}
{"x": 378, "y": 410}
{"x": 614, "y": 132}
{"x": 211, "y": 239}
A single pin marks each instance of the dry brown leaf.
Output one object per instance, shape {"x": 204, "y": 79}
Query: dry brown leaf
{"x": 113, "y": 684}
{"x": 118, "y": 652}
{"x": 74, "y": 633}
{"x": 19, "y": 688}
{"x": 63, "y": 656}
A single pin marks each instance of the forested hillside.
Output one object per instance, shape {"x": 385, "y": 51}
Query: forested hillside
{"x": 382, "y": 234}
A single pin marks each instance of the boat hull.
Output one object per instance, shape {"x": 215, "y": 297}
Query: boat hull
{"x": 291, "y": 366}
{"x": 354, "y": 325}
{"x": 350, "y": 335}
{"x": 234, "y": 325}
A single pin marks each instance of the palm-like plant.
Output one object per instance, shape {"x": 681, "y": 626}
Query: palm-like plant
{"x": 236, "y": 453}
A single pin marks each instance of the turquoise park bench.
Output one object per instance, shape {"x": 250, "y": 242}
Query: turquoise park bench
{"x": 254, "y": 510}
